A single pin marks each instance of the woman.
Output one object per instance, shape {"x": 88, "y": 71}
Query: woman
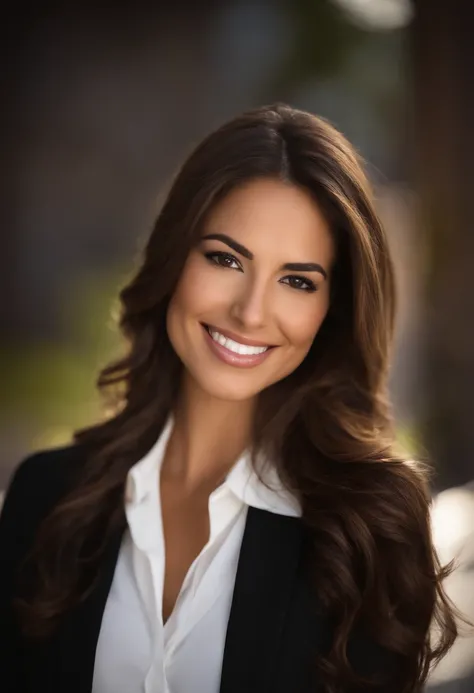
{"x": 243, "y": 521}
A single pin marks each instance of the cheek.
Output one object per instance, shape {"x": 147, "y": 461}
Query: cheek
{"x": 202, "y": 294}
{"x": 301, "y": 326}
{"x": 195, "y": 292}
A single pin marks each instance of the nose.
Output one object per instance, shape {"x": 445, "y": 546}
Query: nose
{"x": 250, "y": 308}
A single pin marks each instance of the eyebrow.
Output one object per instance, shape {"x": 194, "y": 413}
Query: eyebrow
{"x": 242, "y": 250}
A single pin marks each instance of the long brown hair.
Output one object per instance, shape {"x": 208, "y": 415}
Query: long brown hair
{"x": 328, "y": 425}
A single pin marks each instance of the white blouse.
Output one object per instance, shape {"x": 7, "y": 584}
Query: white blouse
{"x": 136, "y": 652}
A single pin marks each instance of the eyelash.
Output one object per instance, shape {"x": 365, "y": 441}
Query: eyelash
{"x": 309, "y": 288}
{"x": 215, "y": 258}
{"x": 220, "y": 255}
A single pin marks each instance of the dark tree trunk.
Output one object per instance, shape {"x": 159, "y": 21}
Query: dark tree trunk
{"x": 443, "y": 145}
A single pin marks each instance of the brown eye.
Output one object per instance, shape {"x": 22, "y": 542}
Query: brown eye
{"x": 299, "y": 283}
{"x": 223, "y": 260}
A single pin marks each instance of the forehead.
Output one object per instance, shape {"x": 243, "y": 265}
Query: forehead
{"x": 274, "y": 218}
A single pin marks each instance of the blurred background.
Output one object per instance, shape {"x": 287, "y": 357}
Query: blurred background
{"x": 101, "y": 106}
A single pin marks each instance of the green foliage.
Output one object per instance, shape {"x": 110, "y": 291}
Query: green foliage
{"x": 410, "y": 440}
{"x": 48, "y": 387}
{"x": 322, "y": 42}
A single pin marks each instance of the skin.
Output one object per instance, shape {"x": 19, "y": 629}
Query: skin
{"x": 254, "y": 299}
{"x": 278, "y": 223}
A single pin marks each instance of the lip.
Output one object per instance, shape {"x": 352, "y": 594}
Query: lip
{"x": 231, "y": 358}
{"x": 237, "y": 338}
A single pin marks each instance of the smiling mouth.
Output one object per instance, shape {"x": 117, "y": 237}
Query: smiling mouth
{"x": 234, "y": 346}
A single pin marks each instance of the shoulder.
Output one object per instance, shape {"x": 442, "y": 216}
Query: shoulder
{"x": 40, "y": 479}
{"x": 53, "y": 467}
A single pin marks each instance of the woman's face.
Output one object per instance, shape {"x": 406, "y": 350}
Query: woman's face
{"x": 254, "y": 291}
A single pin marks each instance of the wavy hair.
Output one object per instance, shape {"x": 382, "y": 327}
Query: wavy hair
{"x": 328, "y": 425}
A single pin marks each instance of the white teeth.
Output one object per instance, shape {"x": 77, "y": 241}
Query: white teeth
{"x": 237, "y": 348}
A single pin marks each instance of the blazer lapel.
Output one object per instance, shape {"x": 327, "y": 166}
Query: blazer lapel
{"x": 76, "y": 641}
{"x": 267, "y": 569}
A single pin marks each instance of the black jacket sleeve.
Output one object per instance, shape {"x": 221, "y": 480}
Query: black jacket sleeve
{"x": 35, "y": 486}
{"x": 17, "y": 531}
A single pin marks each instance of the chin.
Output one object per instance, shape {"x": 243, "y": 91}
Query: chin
{"x": 228, "y": 391}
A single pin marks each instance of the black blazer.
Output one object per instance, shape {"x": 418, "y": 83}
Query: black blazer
{"x": 275, "y": 626}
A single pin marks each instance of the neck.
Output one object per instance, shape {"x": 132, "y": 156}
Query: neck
{"x": 207, "y": 438}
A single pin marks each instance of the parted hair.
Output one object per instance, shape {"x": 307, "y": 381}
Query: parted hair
{"x": 327, "y": 426}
